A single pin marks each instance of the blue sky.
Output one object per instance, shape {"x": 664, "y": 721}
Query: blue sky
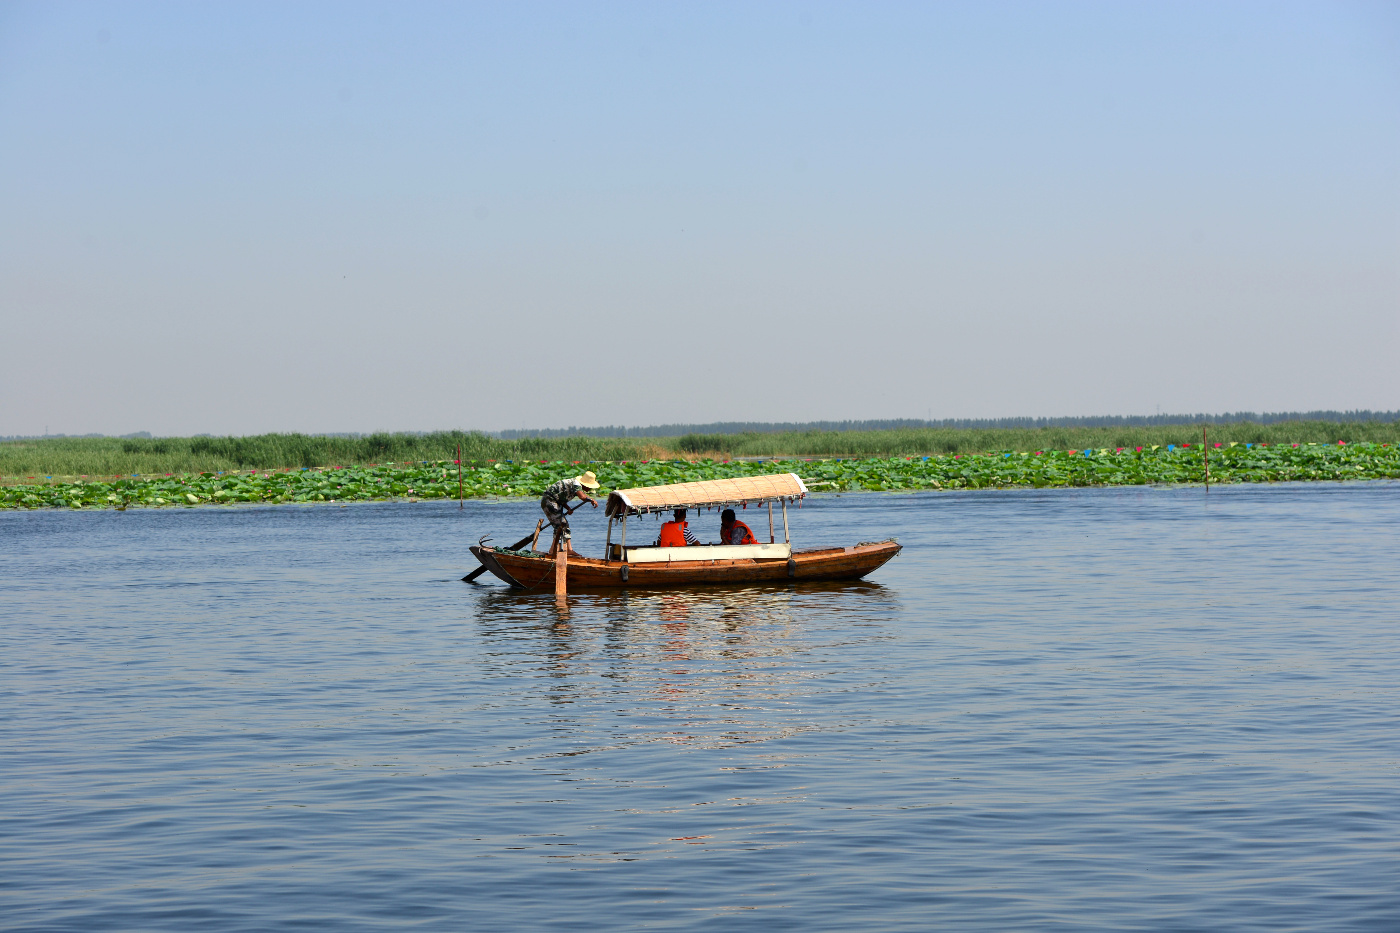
{"x": 248, "y": 217}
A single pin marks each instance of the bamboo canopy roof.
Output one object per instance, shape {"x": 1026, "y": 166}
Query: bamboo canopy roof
{"x": 706, "y": 493}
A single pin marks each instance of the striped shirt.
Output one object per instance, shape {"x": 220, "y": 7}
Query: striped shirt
{"x": 690, "y": 538}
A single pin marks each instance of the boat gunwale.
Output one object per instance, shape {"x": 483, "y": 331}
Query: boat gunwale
{"x": 810, "y": 565}
{"x": 576, "y": 559}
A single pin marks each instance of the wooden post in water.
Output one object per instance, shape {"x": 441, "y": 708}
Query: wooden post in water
{"x": 561, "y": 570}
{"x": 461, "y": 499}
{"x": 1205, "y": 455}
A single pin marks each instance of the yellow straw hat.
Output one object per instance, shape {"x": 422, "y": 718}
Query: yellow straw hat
{"x": 588, "y": 480}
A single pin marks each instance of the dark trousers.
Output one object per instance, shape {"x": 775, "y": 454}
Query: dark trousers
{"x": 557, "y": 517}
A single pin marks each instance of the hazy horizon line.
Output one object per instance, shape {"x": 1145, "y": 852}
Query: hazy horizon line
{"x": 887, "y": 424}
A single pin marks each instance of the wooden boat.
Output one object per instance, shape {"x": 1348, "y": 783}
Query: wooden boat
{"x": 646, "y": 565}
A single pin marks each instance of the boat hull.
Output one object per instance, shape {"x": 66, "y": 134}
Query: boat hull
{"x": 537, "y": 572}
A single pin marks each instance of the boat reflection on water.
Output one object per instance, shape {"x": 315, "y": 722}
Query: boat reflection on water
{"x": 696, "y": 666}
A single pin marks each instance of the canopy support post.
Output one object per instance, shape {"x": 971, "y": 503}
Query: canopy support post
{"x": 624, "y": 537}
{"x": 770, "y": 521}
{"x": 787, "y": 539}
{"x": 607, "y": 547}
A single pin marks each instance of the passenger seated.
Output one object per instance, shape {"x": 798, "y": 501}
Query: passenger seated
{"x": 676, "y": 533}
{"x": 733, "y": 531}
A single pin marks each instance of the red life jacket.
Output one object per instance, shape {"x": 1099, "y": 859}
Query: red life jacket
{"x": 672, "y": 535}
{"x": 726, "y": 534}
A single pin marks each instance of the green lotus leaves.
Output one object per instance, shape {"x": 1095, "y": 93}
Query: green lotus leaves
{"x": 1001, "y": 469}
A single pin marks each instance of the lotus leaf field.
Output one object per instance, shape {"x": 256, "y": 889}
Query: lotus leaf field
{"x": 1233, "y": 463}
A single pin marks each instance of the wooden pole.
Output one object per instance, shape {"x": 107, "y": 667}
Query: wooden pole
{"x": 607, "y": 545}
{"x": 1205, "y": 455}
{"x": 461, "y": 499}
{"x": 770, "y": 522}
{"x": 787, "y": 538}
{"x": 561, "y": 569}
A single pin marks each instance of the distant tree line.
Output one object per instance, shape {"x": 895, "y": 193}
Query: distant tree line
{"x": 42, "y": 437}
{"x": 803, "y": 427}
{"x": 1094, "y": 421}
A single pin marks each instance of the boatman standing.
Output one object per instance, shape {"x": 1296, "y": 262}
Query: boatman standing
{"x": 555, "y": 502}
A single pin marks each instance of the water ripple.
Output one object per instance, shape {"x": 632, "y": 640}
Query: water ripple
{"x": 1126, "y": 709}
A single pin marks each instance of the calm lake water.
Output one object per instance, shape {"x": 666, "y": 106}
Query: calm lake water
{"x": 1109, "y": 709}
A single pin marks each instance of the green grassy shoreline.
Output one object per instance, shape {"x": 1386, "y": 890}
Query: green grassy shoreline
{"x": 30, "y": 461}
{"x": 1229, "y": 462}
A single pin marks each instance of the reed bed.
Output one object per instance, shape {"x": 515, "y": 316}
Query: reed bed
{"x": 28, "y": 461}
{"x": 920, "y": 441}
{"x": 110, "y": 456}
